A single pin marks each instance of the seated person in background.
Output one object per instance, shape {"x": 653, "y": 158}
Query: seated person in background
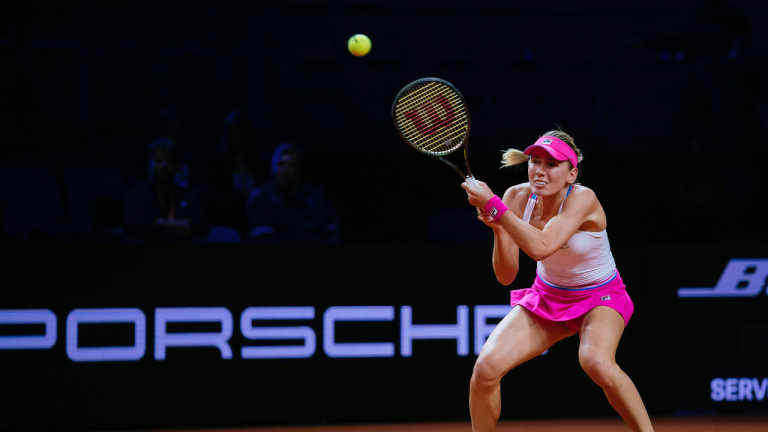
{"x": 158, "y": 208}
{"x": 287, "y": 210}
{"x": 242, "y": 169}
{"x": 235, "y": 171}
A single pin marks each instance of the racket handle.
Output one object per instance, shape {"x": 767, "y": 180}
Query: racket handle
{"x": 471, "y": 180}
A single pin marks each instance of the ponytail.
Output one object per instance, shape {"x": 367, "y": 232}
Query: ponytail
{"x": 513, "y": 157}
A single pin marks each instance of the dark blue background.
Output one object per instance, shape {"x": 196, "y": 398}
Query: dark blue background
{"x": 666, "y": 99}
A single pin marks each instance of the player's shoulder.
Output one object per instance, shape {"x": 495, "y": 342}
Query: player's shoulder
{"x": 583, "y": 195}
{"x": 583, "y": 192}
{"x": 516, "y": 197}
{"x": 520, "y": 190}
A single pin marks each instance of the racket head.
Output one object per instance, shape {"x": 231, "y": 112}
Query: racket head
{"x": 431, "y": 115}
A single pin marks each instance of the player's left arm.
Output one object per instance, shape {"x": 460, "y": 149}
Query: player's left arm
{"x": 539, "y": 244}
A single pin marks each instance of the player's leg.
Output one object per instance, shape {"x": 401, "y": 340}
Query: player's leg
{"x": 519, "y": 337}
{"x": 600, "y": 332}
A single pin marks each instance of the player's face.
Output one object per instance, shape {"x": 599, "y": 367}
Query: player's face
{"x": 546, "y": 174}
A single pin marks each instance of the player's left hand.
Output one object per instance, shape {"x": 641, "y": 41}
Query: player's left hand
{"x": 478, "y": 192}
{"x": 487, "y": 219}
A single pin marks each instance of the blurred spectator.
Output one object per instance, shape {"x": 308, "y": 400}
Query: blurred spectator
{"x": 169, "y": 127}
{"x": 241, "y": 170}
{"x": 237, "y": 170}
{"x": 158, "y": 207}
{"x": 287, "y": 210}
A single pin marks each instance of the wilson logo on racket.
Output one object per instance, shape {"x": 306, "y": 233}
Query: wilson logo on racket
{"x": 432, "y": 117}
{"x": 434, "y": 121}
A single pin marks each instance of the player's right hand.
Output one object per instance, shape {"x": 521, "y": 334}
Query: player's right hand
{"x": 487, "y": 219}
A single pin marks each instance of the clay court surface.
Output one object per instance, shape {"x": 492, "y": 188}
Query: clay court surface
{"x": 678, "y": 424}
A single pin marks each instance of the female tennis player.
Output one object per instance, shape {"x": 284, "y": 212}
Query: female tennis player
{"x": 577, "y": 288}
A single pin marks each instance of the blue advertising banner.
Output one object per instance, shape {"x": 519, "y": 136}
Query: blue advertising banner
{"x": 150, "y": 336}
{"x": 711, "y": 323}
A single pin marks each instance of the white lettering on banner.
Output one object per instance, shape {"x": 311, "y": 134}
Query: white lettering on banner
{"x": 745, "y": 389}
{"x": 741, "y": 278}
{"x": 738, "y": 389}
{"x": 220, "y": 340}
{"x": 356, "y": 313}
{"x": 458, "y": 331}
{"x": 716, "y": 386}
{"x": 105, "y": 316}
{"x": 731, "y": 388}
{"x": 759, "y": 388}
{"x": 28, "y": 316}
{"x": 306, "y": 350}
{"x": 163, "y": 339}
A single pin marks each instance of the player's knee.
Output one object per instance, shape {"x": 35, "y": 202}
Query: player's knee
{"x": 486, "y": 373}
{"x": 598, "y": 366}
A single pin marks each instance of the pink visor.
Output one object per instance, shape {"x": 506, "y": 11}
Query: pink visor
{"x": 556, "y": 148}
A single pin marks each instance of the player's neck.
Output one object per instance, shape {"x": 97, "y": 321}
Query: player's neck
{"x": 550, "y": 204}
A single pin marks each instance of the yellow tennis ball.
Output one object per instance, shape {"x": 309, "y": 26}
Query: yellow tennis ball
{"x": 359, "y": 45}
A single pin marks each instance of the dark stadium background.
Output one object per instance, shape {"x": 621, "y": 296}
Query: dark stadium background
{"x": 667, "y": 100}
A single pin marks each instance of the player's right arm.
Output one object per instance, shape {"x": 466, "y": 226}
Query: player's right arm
{"x": 506, "y": 253}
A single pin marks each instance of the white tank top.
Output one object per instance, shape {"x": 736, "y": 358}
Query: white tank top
{"x": 584, "y": 260}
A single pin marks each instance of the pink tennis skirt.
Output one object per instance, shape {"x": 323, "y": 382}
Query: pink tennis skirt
{"x": 563, "y": 304}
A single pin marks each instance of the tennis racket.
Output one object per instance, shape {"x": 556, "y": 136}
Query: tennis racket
{"x": 432, "y": 117}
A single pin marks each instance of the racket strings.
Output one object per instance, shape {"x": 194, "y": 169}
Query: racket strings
{"x": 442, "y": 139}
{"x": 438, "y": 141}
{"x": 419, "y": 97}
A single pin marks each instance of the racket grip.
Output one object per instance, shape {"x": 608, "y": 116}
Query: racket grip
{"x": 471, "y": 180}
{"x": 496, "y": 208}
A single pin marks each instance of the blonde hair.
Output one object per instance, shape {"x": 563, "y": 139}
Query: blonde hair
{"x": 513, "y": 157}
